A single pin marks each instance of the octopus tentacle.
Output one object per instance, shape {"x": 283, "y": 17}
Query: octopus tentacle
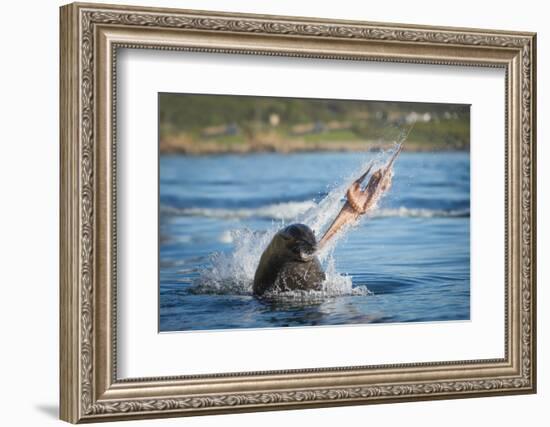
{"x": 354, "y": 199}
{"x": 359, "y": 201}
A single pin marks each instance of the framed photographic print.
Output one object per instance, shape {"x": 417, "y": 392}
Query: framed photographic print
{"x": 264, "y": 212}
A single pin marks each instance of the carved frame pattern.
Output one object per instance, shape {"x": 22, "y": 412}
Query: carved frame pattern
{"x": 80, "y": 401}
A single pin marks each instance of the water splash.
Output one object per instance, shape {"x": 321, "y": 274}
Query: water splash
{"x": 233, "y": 272}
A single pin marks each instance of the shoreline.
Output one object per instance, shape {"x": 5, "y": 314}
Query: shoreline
{"x": 189, "y": 147}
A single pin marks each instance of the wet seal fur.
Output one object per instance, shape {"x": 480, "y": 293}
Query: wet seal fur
{"x": 289, "y": 262}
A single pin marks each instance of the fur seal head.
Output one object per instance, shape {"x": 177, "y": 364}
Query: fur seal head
{"x": 298, "y": 241}
{"x": 289, "y": 262}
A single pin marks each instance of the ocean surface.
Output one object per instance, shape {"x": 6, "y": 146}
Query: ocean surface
{"x": 408, "y": 261}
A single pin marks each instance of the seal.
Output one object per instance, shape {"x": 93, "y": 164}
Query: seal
{"x": 289, "y": 262}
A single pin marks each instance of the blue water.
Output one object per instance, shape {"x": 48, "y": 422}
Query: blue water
{"x": 408, "y": 262}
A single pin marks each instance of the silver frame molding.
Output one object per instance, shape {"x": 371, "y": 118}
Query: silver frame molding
{"x": 90, "y": 37}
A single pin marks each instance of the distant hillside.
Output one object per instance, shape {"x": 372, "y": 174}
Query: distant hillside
{"x": 199, "y": 124}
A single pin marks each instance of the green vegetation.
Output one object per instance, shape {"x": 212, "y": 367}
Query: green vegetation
{"x": 227, "y": 123}
{"x": 335, "y": 135}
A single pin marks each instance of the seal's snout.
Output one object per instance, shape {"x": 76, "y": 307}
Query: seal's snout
{"x": 306, "y": 257}
{"x": 307, "y": 251}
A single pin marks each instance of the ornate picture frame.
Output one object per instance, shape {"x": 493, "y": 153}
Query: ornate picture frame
{"x": 90, "y": 37}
